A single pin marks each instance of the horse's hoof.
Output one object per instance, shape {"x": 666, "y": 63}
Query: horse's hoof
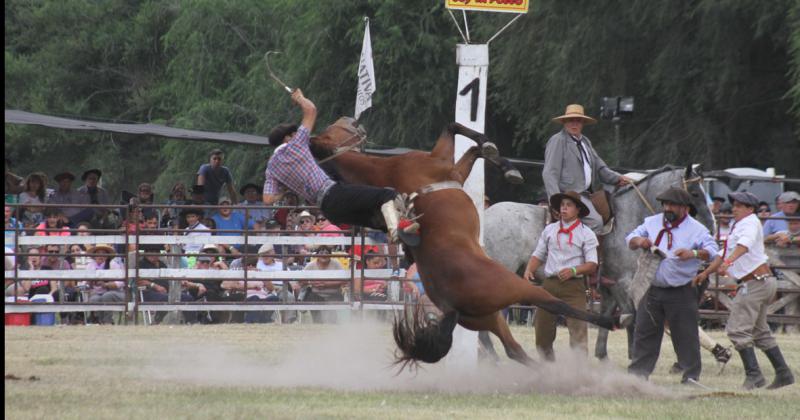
{"x": 514, "y": 177}
{"x": 489, "y": 150}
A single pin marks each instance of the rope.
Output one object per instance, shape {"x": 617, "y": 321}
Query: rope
{"x": 644, "y": 200}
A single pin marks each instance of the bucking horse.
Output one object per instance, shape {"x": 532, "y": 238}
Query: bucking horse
{"x": 467, "y": 286}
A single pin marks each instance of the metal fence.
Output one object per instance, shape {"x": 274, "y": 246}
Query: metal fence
{"x": 130, "y": 239}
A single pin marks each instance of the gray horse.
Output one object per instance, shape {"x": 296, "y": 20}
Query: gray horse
{"x": 513, "y": 229}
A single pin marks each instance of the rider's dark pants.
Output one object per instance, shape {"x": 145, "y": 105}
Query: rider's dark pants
{"x": 356, "y": 204}
{"x": 677, "y": 306}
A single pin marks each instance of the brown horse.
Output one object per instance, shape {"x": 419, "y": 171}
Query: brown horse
{"x": 459, "y": 278}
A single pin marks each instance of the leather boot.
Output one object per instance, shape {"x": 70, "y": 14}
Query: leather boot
{"x": 783, "y": 375}
{"x": 753, "y": 377}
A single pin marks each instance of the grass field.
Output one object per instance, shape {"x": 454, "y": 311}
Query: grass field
{"x": 313, "y": 371}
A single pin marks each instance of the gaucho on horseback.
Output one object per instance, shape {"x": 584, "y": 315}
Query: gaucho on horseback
{"x": 292, "y": 167}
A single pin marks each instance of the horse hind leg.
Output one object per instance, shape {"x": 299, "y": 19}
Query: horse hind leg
{"x": 540, "y": 298}
{"x": 498, "y": 326}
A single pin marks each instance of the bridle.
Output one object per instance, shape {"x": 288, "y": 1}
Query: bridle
{"x": 358, "y": 133}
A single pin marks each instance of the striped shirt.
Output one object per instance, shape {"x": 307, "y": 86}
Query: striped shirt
{"x": 555, "y": 249}
{"x": 293, "y": 167}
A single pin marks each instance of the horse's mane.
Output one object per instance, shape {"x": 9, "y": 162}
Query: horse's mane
{"x": 650, "y": 174}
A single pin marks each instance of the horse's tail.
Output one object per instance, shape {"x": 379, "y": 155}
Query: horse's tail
{"x": 420, "y": 338}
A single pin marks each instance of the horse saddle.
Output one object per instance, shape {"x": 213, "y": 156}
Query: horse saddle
{"x": 602, "y": 203}
{"x": 601, "y": 200}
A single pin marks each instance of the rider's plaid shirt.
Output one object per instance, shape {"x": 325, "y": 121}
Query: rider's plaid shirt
{"x": 293, "y": 167}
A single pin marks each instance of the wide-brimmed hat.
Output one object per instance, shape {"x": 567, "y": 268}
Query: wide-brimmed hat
{"x": 747, "y": 198}
{"x": 574, "y": 111}
{"x": 555, "y": 202}
{"x": 266, "y": 249}
{"x": 91, "y": 171}
{"x": 64, "y": 175}
{"x": 248, "y": 185}
{"x": 224, "y": 199}
{"x": 675, "y": 195}
{"x": 101, "y": 248}
{"x": 305, "y": 214}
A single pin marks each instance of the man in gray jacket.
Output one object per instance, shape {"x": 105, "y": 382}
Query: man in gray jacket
{"x": 572, "y": 164}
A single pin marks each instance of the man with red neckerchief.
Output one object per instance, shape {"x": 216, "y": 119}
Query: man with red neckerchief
{"x": 743, "y": 258}
{"x": 671, "y": 297}
{"x": 569, "y": 250}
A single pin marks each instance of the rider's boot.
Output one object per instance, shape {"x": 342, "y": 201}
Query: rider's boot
{"x": 753, "y": 377}
{"x": 400, "y": 229}
{"x": 783, "y": 375}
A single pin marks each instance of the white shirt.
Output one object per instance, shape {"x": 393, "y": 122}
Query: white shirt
{"x": 749, "y": 233}
{"x": 555, "y": 249}
{"x": 196, "y": 230}
{"x": 275, "y": 266}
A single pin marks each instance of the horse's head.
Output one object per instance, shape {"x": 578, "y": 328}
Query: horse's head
{"x": 345, "y": 134}
{"x": 693, "y": 183}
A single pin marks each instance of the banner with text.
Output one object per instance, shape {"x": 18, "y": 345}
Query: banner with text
{"x": 508, "y": 6}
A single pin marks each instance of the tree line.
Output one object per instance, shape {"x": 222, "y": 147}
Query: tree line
{"x": 715, "y": 81}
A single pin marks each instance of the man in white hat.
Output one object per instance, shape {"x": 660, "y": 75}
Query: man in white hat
{"x": 572, "y": 164}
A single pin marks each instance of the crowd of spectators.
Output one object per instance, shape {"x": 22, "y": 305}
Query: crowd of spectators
{"x": 223, "y": 216}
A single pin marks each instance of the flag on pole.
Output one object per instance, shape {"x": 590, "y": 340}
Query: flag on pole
{"x": 366, "y": 75}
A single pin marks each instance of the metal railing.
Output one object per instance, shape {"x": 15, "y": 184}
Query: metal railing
{"x": 132, "y": 238}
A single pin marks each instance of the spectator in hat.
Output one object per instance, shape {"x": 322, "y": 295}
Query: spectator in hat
{"x": 170, "y": 217}
{"x": 194, "y": 228}
{"x": 212, "y": 176}
{"x": 789, "y": 203}
{"x": 96, "y": 195}
{"x": 257, "y": 290}
{"x": 64, "y": 194}
{"x": 105, "y": 291}
{"x": 251, "y": 197}
{"x": 34, "y": 194}
{"x": 716, "y": 205}
{"x": 671, "y": 297}
{"x": 743, "y": 258}
{"x": 572, "y": 164}
{"x": 228, "y": 219}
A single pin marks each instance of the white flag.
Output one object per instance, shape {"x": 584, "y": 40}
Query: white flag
{"x": 366, "y": 76}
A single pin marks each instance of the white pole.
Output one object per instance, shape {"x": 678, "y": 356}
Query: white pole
{"x": 473, "y": 68}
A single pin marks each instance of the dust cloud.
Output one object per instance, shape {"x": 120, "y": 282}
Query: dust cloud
{"x": 358, "y": 356}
